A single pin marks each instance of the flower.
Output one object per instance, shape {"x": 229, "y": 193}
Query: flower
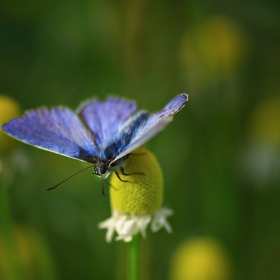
{"x": 212, "y": 49}
{"x": 260, "y": 161}
{"x": 201, "y": 258}
{"x": 136, "y": 200}
{"x": 10, "y": 157}
{"x": 28, "y": 257}
{"x": 9, "y": 108}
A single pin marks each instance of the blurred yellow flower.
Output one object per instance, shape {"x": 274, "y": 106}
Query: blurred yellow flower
{"x": 136, "y": 201}
{"x": 261, "y": 155}
{"x": 9, "y": 109}
{"x": 221, "y": 41}
{"x": 31, "y": 253}
{"x": 212, "y": 48}
{"x": 265, "y": 122}
{"x": 200, "y": 258}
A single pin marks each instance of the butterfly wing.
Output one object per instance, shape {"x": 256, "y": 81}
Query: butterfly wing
{"x": 103, "y": 119}
{"x": 57, "y": 130}
{"x": 152, "y": 125}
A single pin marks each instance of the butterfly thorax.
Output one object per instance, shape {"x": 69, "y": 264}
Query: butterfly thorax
{"x": 106, "y": 162}
{"x": 104, "y": 168}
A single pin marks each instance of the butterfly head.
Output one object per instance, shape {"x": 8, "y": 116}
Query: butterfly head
{"x": 101, "y": 168}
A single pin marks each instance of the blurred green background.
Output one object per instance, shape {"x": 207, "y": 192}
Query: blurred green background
{"x": 220, "y": 157}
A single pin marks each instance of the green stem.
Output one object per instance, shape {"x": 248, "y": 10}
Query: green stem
{"x": 133, "y": 267}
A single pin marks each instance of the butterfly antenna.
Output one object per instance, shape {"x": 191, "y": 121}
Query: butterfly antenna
{"x": 55, "y": 186}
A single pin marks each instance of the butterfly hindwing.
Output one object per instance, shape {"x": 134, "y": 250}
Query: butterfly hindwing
{"x": 103, "y": 119}
{"x": 57, "y": 130}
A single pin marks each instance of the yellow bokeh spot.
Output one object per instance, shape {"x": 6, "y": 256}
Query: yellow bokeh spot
{"x": 215, "y": 46}
{"x": 143, "y": 194}
{"x": 221, "y": 41}
{"x": 200, "y": 259}
{"x": 29, "y": 255}
{"x": 9, "y": 109}
{"x": 265, "y": 121}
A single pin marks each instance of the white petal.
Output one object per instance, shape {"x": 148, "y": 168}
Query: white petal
{"x": 125, "y": 238}
{"x": 143, "y": 223}
{"x": 127, "y": 225}
{"x": 160, "y": 221}
{"x": 120, "y": 223}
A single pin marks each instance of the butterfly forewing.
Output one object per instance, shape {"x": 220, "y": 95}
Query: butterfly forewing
{"x": 154, "y": 124}
{"x": 57, "y": 130}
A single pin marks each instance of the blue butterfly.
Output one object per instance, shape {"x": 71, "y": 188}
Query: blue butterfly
{"x": 102, "y": 133}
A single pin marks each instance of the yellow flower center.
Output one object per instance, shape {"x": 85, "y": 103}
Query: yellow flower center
{"x": 143, "y": 193}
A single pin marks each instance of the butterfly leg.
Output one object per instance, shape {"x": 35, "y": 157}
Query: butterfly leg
{"x": 121, "y": 178}
{"x": 103, "y": 190}
{"x": 138, "y": 154}
{"x": 108, "y": 183}
{"x": 126, "y": 174}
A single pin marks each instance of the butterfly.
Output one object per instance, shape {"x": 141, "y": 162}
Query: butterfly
{"x": 101, "y": 133}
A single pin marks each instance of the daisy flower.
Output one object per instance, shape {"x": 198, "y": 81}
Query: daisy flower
{"x": 136, "y": 199}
